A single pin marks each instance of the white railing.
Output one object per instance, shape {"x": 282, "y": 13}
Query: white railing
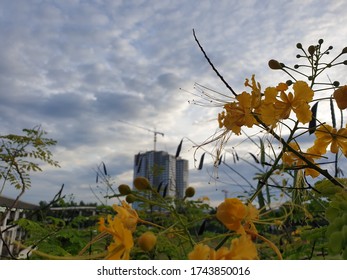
{"x": 10, "y": 232}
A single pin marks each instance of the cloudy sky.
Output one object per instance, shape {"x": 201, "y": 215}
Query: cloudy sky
{"x": 78, "y": 67}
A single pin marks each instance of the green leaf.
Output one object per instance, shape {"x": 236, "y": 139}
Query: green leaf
{"x": 332, "y": 110}
{"x": 104, "y": 166}
{"x": 313, "y": 123}
{"x": 335, "y": 242}
{"x": 332, "y": 213}
{"x": 202, "y": 227}
{"x": 201, "y": 161}
{"x": 254, "y": 157}
{"x": 262, "y": 152}
{"x": 179, "y": 149}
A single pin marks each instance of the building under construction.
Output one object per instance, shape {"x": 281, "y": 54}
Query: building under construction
{"x": 164, "y": 171}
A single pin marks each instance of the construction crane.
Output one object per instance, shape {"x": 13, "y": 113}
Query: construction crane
{"x": 225, "y": 193}
{"x": 150, "y": 130}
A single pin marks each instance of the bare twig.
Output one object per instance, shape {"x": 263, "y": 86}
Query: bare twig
{"x": 214, "y": 68}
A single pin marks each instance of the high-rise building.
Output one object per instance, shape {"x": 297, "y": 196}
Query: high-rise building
{"x": 181, "y": 177}
{"x": 164, "y": 171}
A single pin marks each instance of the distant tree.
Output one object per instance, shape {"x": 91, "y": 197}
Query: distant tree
{"x": 20, "y": 155}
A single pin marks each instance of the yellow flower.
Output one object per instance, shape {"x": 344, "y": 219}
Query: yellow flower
{"x": 200, "y": 252}
{"x": 268, "y": 113}
{"x": 122, "y": 243}
{"x": 128, "y": 216}
{"x": 290, "y": 159}
{"x": 256, "y": 92}
{"x": 297, "y": 102}
{"x": 303, "y": 95}
{"x": 274, "y": 109}
{"x": 204, "y": 252}
{"x": 251, "y": 216}
{"x": 242, "y": 248}
{"x": 311, "y": 154}
{"x": 231, "y": 212}
{"x": 220, "y": 254}
{"x": 327, "y": 135}
{"x": 252, "y": 213}
{"x": 237, "y": 114}
{"x": 271, "y": 107}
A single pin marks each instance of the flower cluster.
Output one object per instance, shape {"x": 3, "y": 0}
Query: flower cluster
{"x": 237, "y": 217}
{"x": 291, "y": 159}
{"x": 122, "y": 243}
{"x": 327, "y": 135}
{"x": 241, "y": 248}
{"x": 120, "y": 227}
{"x": 278, "y": 104}
{"x": 275, "y": 105}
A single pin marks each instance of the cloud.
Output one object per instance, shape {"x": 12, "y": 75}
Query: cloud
{"x": 78, "y": 67}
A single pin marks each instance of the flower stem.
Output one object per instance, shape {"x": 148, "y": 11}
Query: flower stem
{"x": 272, "y": 245}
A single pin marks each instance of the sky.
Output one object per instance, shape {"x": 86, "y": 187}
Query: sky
{"x": 90, "y": 73}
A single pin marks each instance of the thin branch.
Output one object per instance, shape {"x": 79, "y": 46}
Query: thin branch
{"x": 311, "y": 165}
{"x": 211, "y": 64}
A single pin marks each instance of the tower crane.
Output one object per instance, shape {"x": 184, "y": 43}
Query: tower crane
{"x": 150, "y": 130}
{"x": 225, "y": 193}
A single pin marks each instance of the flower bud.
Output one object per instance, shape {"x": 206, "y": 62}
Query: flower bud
{"x": 311, "y": 49}
{"x": 124, "y": 189}
{"x": 340, "y": 96}
{"x": 142, "y": 183}
{"x": 299, "y": 46}
{"x": 147, "y": 241}
{"x": 275, "y": 65}
{"x": 130, "y": 198}
{"x": 190, "y": 191}
{"x": 344, "y": 50}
